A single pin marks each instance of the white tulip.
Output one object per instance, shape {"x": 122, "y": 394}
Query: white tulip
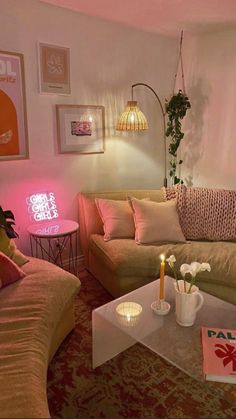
{"x": 194, "y": 268}
{"x": 185, "y": 269}
{"x": 171, "y": 260}
{"x": 206, "y": 267}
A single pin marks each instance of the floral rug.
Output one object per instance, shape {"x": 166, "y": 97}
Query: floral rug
{"x": 135, "y": 384}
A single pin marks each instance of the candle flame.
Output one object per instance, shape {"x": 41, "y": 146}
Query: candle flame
{"x": 162, "y": 257}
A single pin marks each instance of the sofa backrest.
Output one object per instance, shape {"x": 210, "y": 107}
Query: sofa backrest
{"x": 89, "y": 219}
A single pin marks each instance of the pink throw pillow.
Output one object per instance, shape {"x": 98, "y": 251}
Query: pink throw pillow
{"x": 156, "y": 222}
{"x": 117, "y": 218}
{"x": 9, "y": 271}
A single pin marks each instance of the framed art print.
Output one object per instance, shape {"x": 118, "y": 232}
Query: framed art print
{"x": 13, "y": 118}
{"x": 81, "y": 128}
{"x": 54, "y": 69}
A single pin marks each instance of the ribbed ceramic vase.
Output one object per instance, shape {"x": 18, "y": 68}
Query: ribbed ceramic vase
{"x": 187, "y": 305}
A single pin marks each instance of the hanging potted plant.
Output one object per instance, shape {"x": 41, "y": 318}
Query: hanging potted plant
{"x": 176, "y": 109}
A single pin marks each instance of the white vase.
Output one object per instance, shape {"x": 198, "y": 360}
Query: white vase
{"x": 187, "y": 305}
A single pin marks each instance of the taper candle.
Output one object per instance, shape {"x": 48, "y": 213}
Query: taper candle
{"x": 162, "y": 274}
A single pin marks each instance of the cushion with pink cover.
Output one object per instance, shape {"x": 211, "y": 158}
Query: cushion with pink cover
{"x": 9, "y": 271}
{"x": 117, "y": 218}
{"x": 156, "y": 222}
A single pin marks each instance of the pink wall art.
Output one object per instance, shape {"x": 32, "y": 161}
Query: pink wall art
{"x": 13, "y": 120}
{"x": 80, "y": 128}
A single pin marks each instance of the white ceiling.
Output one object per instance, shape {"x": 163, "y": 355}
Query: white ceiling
{"x": 163, "y": 16}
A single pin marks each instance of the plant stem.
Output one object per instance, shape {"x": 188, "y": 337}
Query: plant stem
{"x": 191, "y": 283}
{"x": 177, "y": 283}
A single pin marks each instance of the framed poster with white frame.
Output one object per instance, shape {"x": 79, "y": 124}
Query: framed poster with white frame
{"x": 13, "y": 118}
{"x": 80, "y": 128}
{"x": 54, "y": 69}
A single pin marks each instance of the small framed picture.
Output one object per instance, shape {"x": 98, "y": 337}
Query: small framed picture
{"x": 54, "y": 69}
{"x": 13, "y": 118}
{"x": 81, "y": 128}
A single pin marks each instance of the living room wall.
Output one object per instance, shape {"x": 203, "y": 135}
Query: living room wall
{"x": 209, "y": 146}
{"x": 106, "y": 58}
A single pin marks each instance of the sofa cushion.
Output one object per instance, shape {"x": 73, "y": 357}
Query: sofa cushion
{"x": 156, "y": 222}
{"x": 117, "y": 218}
{"x": 9, "y": 271}
{"x": 124, "y": 257}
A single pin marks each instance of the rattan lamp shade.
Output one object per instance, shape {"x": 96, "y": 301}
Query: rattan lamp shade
{"x": 132, "y": 119}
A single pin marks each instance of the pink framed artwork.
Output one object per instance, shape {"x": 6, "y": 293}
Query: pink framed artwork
{"x": 13, "y": 118}
{"x": 80, "y": 128}
{"x": 54, "y": 69}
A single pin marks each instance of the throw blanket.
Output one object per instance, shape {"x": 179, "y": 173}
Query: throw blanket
{"x": 205, "y": 213}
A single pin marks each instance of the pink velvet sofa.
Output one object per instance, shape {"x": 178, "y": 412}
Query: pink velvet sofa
{"x": 36, "y": 314}
{"x": 121, "y": 265}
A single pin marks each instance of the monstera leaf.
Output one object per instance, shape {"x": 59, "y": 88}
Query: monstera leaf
{"x": 7, "y": 220}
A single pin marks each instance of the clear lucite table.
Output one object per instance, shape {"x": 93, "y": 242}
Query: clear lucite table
{"x": 181, "y": 346}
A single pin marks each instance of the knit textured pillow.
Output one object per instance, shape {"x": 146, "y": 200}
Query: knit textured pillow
{"x": 205, "y": 213}
{"x": 9, "y": 271}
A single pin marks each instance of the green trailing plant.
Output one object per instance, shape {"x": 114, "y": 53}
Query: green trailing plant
{"x": 176, "y": 109}
{"x": 7, "y": 221}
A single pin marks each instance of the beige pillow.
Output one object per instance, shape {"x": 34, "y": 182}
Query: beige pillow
{"x": 117, "y": 218}
{"x": 156, "y": 222}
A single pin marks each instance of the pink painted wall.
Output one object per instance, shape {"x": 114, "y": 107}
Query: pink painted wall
{"x": 106, "y": 59}
{"x": 209, "y": 146}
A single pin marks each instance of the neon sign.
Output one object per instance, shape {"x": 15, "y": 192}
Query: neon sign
{"x": 42, "y": 206}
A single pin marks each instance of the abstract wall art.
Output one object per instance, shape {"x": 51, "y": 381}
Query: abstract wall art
{"x": 80, "y": 128}
{"x": 54, "y": 69}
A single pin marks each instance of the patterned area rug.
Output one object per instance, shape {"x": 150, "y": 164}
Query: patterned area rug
{"x": 135, "y": 384}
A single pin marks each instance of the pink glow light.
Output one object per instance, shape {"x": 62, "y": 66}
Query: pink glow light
{"x": 42, "y": 206}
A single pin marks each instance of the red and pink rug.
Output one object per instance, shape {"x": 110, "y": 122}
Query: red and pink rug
{"x": 135, "y": 384}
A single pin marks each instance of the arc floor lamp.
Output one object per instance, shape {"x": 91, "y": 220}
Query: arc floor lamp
{"x": 133, "y": 119}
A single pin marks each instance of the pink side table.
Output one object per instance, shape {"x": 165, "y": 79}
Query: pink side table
{"x": 50, "y": 240}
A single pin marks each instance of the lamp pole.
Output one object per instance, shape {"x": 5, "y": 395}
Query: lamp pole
{"x": 164, "y": 122}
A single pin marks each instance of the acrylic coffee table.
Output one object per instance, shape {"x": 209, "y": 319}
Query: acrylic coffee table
{"x": 181, "y": 346}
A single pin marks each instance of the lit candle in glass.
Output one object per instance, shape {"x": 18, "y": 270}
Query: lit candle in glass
{"x": 128, "y": 313}
{"x": 162, "y": 274}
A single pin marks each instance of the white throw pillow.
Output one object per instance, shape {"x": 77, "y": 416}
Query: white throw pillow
{"x": 156, "y": 222}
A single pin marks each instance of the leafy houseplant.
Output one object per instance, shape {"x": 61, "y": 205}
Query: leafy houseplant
{"x": 176, "y": 109}
{"x": 7, "y": 220}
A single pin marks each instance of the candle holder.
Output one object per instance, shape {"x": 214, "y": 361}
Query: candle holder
{"x": 160, "y": 307}
{"x": 128, "y": 313}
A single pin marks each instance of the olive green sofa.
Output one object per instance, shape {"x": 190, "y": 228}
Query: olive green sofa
{"x": 121, "y": 265}
{"x": 36, "y": 314}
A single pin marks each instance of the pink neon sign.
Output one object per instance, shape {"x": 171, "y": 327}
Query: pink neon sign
{"x": 42, "y": 206}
